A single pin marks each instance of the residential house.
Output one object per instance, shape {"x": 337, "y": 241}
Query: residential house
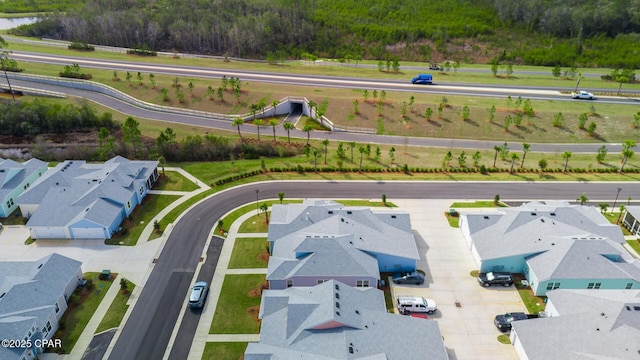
{"x": 15, "y": 178}
{"x": 551, "y": 243}
{"x": 318, "y": 259}
{"x": 582, "y": 324}
{"x": 335, "y": 321}
{"x": 33, "y": 297}
{"x": 383, "y": 234}
{"x": 78, "y": 200}
{"x": 631, "y": 219}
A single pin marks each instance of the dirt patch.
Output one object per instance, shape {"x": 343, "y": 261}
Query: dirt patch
{"x": 264, "y": 256}
{"x": 257, "y": 292}
{"x": 253, "y": 311}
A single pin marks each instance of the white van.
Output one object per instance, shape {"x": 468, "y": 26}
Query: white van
{"x": 414, "y": 304}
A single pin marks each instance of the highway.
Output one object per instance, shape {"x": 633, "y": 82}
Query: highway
{"x": 148, "y": 330}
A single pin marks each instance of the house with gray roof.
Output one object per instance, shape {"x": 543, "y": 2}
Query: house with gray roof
{"x": 335, "y": 321}
{"x": 383, "y": 234}
{"x": 15, "y": 178}
{"x": 319, "y": 259}
{"x": 33, "y": 297}
{"x": 78, "y": 200}
{"x": 631, "y": 219}
{"x": 581, "y": 263}
{"x": 501, "y": 240}
{"x": 582, "y": 324}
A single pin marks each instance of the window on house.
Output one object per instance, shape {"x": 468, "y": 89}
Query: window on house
{"x": 128, "y": 204}
{"x": 552, "y": 286}
{"x": 590, "y": 286}
{"x": 362, "y": 283}
{"x": 597, "y": 286}
{"x": 48, "y": 326}
{"x": 320, "y": 281}
{"x": 289, "y": 283}
{"x": 57, "y": 308}
{"x": 629, "y": 286}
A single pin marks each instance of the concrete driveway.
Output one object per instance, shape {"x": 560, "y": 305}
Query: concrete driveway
{"x": 465, "y": 309}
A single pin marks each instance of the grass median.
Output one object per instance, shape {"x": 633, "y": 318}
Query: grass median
{"x": 238, "y": 305}
{"x": 117, "y": 309}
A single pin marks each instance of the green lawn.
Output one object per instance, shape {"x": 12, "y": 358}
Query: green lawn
{"x": 454, "y": 221}
{"x": 116, "y": 311}
{"x": 534, "y": 304}
{"x": 224, "y": 350}
{"x": 255, "y": 224}
{"x": 141, "y": 216}
{"x": 235, "y": 214}
{"x": 635, "y": 244}
{"x": 237, "y": 311}
{"x": 174, "y": 181}
{"x": 249, "y": 253}
{"x": 82, "y": 305}
{"x": 613, "y": 218}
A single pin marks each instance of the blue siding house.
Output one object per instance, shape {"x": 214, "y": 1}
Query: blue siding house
{"x": 15, "y": 178}
{"x": 77, "y": 200}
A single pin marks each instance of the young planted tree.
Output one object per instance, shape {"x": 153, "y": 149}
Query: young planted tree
{"x": 352, "y": 145}
{"x": 558, "y": 120}
{"x": 514, "y": 158}
{"x": 220, "y": 92}
{"x": 504, "y": 151}
{"x": 601, "y": 154}
{"x": 325, "y": 142}
{"x": 361, "y": 150}
{"x": 566, "y": 156}
{"x": 355, "y": 106}
{"x": 132, "y": 133}
{"x": 447, "y": 158}
{"x": 583, "y": 199}
{"x": 210, "y": 92}
{"x": 582, "y": 120}
{"x": 365, "y": 95}
{"x": 315, "y": 159}
{"x": 308, "y": 128}
{"x": 427, "y": 113}
{"x": 462, "y": 159}
{"x": 237, "y": 122}
{"x": 492, "y": 113}
{"x": 140, "y": 78}
{"x": 543, "y": 163}
{"x": 258, "y": 123}
{"x": 165, "y": 94}
{"x": 497, "y": 149}
{"x": 465, "y": 113}
{"x": 288, "y": 126}
{"x": 273, "y": 123}
{"x": 525, "y": 149}
{"x": 152, "y": 80}
{"x": 627, "y": 153}
{"x": 591, "y": 129}
{"x": 392, "y": 155}
{"x": 476, "y": 158}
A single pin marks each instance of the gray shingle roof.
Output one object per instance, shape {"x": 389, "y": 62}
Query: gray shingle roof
{"x": 315, "y": 323}
{"x": 386, "y": 232}
{"x": 334, "y": 256}
{"x": 75, "y": 190}
{"x": 584, "y": 259}
{"x": 533, "y": 227}
{"x": 12, "y": 173}
{"x": 593, "y": 324}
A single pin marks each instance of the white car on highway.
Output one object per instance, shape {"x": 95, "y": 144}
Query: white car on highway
{"x": 582, "y": 95}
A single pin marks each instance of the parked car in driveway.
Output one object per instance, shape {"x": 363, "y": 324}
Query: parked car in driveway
{"x": 415, "y": 304}
{"x": 503, "y": 321}
{"x": 413, "y": 277}
{"x": 495, "y": 278}
{"x": 198, "y": 295}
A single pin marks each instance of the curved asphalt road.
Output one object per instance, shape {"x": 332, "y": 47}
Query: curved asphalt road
{"x": 148, "y": 329}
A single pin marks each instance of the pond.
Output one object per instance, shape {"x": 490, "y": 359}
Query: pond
{"x": 10, "y": 23}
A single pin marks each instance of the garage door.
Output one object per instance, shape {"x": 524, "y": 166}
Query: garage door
{"x": 88, "y": 233}
{"x": 48, "y": 233}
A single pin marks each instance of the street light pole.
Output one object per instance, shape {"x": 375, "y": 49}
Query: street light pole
{"x": 257, "y": 207}
{"x": 616, "y": 200}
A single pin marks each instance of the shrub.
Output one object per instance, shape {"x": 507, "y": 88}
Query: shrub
{"x": 81, "y": 46}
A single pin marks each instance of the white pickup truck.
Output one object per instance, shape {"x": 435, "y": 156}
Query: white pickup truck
{"x": 582, "y": 95}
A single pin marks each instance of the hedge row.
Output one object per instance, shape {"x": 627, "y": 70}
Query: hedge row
{"x": 484, "y": 170}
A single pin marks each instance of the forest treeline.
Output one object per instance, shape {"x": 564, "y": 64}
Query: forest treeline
{"x": 539, "y": 32}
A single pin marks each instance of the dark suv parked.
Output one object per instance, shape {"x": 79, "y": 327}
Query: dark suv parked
{"x": 495, "y": 278}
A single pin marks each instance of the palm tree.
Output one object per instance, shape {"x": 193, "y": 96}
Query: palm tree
{"x": 308, "y": 128}
{"x": 525, "y": 149}
{"x": 281, "y": 196}
{"x": 583, "y": 199}
{"x": 274, "y": 104}
{"x": 315, "y": 159}
{"x": 352, "y": 145}
{"x": 325, "y": 142}
{"x": 514, "y": 158}
{"x": 258, "y": 123}
{"x": 497, "y": 148}
{"x": 566, "y": 156}
{"x": 264, "y": 208}
{"x": 273, "y": 123}
{"x": 288, "y": 126}
{"x": 237, "y": 122}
